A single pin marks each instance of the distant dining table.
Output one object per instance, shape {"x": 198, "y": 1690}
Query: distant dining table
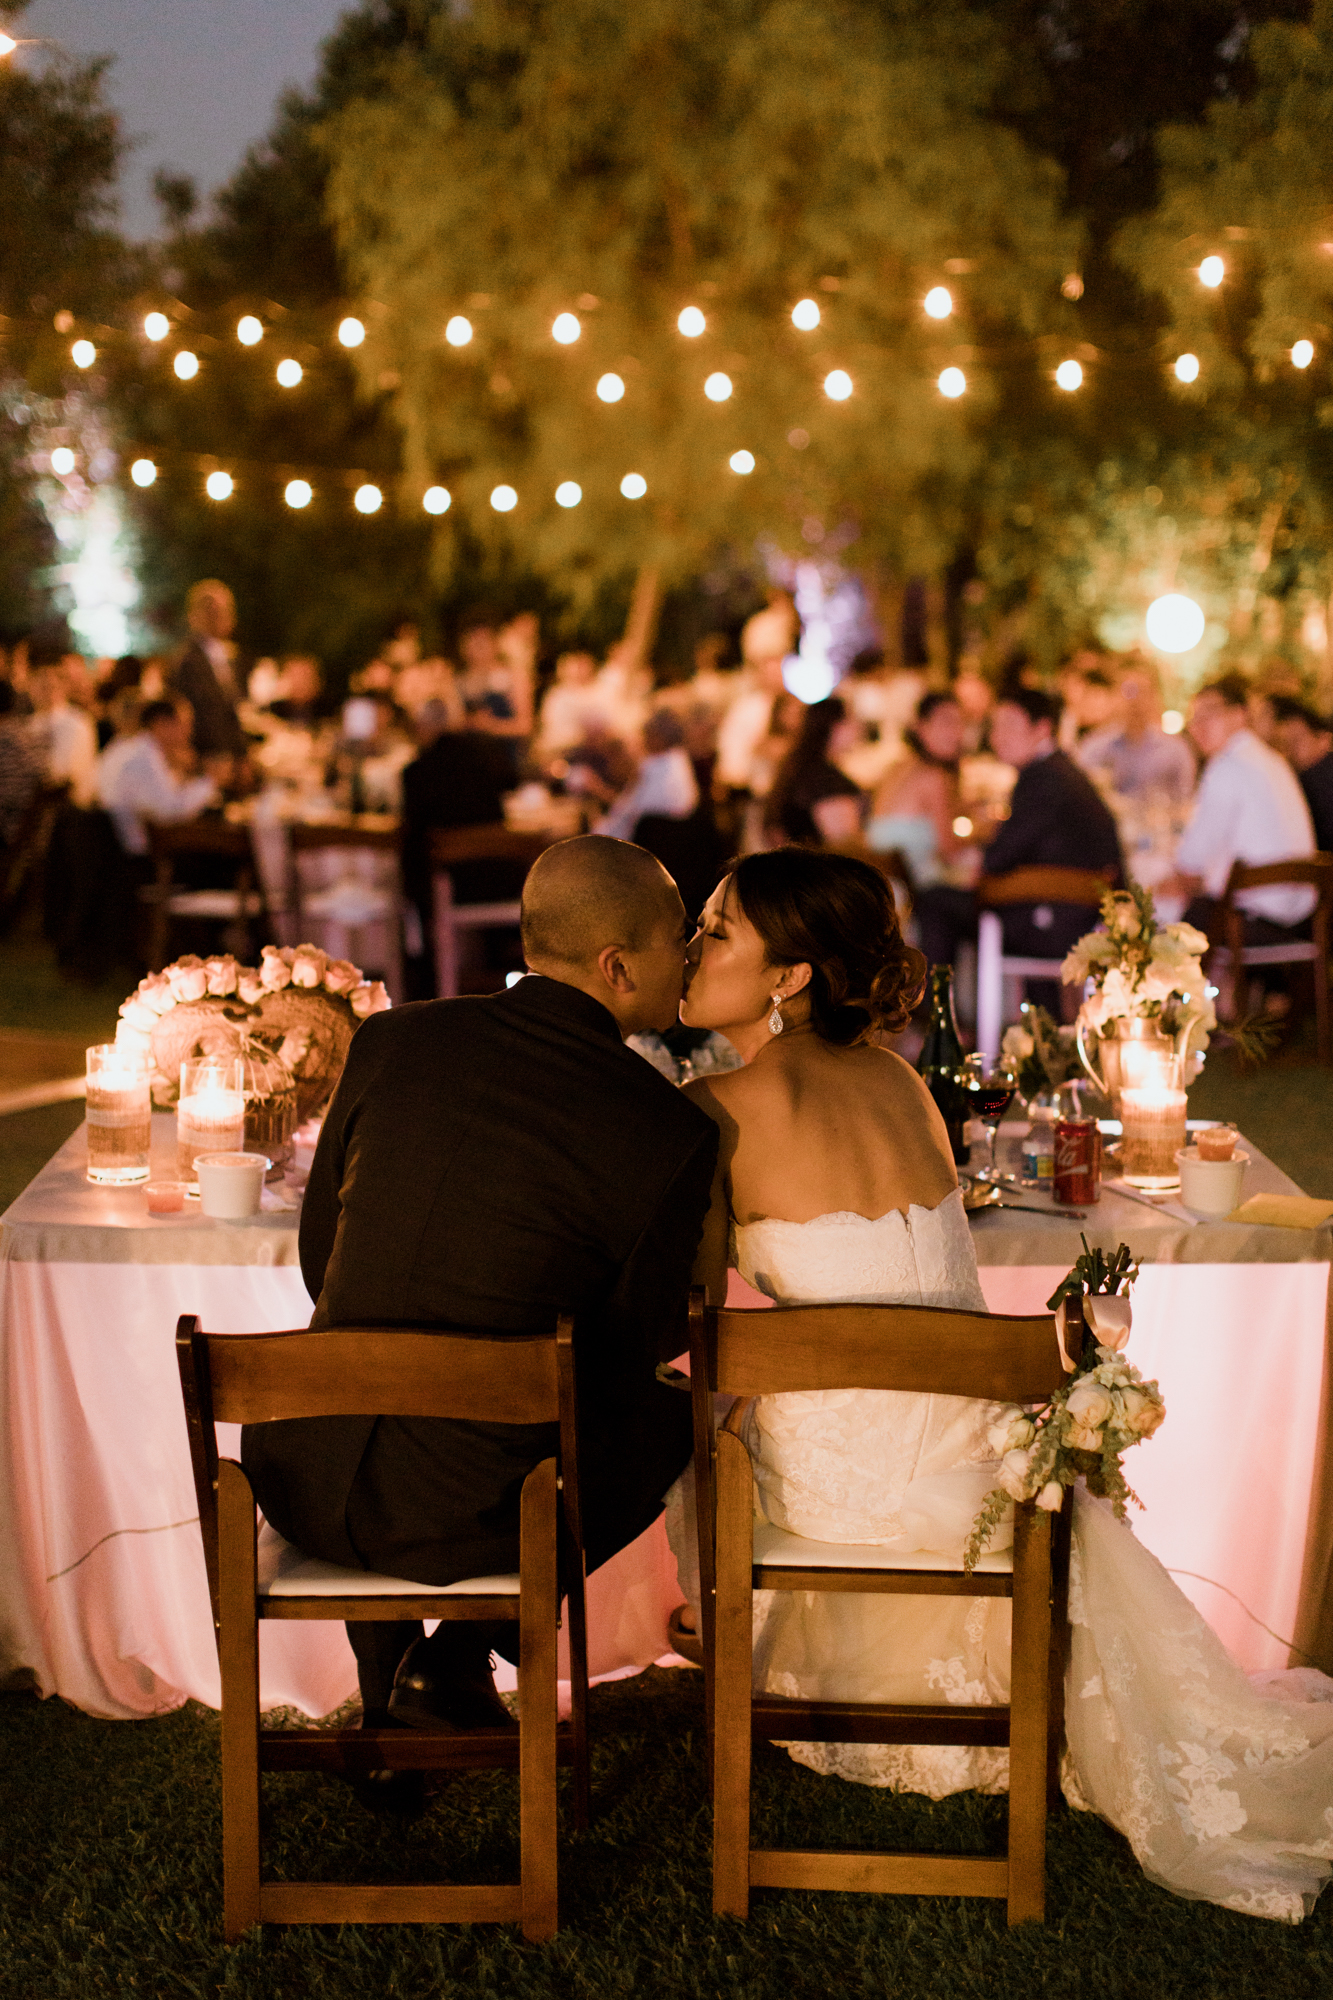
{"x": 103, "y": 1596}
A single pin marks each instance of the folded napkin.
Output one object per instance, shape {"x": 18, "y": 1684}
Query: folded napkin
{"x": 1283, "y": 1211}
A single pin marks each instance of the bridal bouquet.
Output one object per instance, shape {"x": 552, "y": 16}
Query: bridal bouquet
{"x": 1103, "y": 1409}
{"x": 1139, "y": 969}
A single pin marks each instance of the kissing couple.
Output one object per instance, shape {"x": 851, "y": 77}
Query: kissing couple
{"x": 490, "y": 1163}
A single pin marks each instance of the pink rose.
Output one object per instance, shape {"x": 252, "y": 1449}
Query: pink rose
{"x": 308, "y": 966}
{"x": 249, "y": 986}
{"x": 188, "y": 982}
{"x": 136, "y": 1013}
{"x": 340, "y": 975}
{"x": 274, "y": 969}
{"x": 222, "y": 973}
{"x": 155, "y": 991}
{"x": 371, "y": 997}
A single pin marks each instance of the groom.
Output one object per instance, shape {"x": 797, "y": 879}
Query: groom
{"x": 484, "y": 1165}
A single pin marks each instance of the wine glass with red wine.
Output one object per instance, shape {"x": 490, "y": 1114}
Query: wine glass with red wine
{"x": 989, "y": 1084}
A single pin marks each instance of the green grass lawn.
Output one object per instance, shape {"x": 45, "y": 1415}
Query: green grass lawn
{"x": 110, "y": 1884}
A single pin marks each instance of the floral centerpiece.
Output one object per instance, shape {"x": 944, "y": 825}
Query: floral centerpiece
{"x": 297, "y": 1003}
{"x": 1142, "y": 971}
{"x": 1043, "y": 1053}
{"x": 1103, "y": 1409}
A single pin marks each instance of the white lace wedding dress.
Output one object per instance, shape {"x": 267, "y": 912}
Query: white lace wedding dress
{"x": 1223, "y": 1792}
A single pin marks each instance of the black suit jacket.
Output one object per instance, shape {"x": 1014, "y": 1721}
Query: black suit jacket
{"x": 1317, "y": 784}
{"x": 458, "y": 781}
{"x": 1057, "y": 819}
{"x": 217, "y": 727}
{"x": 486, "y": 1163}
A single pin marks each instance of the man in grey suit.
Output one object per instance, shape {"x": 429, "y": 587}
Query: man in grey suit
{"x": 206, "y": 672}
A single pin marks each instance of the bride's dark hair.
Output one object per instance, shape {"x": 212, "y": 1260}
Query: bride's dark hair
{"x": 838, "y": 915}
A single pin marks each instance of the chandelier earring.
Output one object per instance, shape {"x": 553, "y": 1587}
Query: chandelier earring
{"x": 775, "y": 1021}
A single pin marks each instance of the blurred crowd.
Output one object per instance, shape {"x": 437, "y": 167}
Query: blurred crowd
{"x": 941, "y": 780}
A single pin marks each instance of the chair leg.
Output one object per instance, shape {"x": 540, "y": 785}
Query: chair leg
{"x": 1028, "y": 1711}
{"x": 1061, "y": 1534}
{"x": 733, "y": 1670}
{"x": 238, "y": 1653}
{"x": 446, "y": 938}
{"x": 539, "y": 1611}
{"x": 578, "y": 1696}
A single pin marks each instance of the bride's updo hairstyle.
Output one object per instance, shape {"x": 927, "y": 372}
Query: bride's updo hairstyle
{"x": 837, "y": 914}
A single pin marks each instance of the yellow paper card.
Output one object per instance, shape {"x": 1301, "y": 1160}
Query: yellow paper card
{"x": 1283, "y": 1211}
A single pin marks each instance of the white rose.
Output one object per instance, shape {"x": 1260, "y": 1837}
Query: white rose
{"x": 340, "y": 975}
{"x": 1051, "y": 1496}
{"x": 1089, "y": 1405}
{"x": 1015, "y": 1473}
{"x": 1018, "y": 1043}
{"x": 1140, "y": 1412}
{"x": 274, "y": 970}
{"x": 1012, "y": 1432}
{"x": 155, "y": 991}
{"x": 1124, "y": 915}
{"x": 370, "y": 997}
{"x": 136, "y": 1013}
{"x": 188, "y": 982}
{"x": 222, "y": 973}
{"x": 249, "y": 986}
{"x": 308, "y": 966}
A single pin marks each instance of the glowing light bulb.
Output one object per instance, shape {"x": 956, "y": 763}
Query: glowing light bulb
{"x": 289, "y": 373}
{"x": 565, "y": 329}
{"x": 143, "y": 472}
{"x": 1302, "y": 354}
{"x": 249, "y": 331}
{"x": 83, "y": 354}
{"x": 367, "y": 499}
{"x": 691, "y": 322}
{"x": 634, "y": 486}
{"x": 186, "y": 365}
{"x": 568, "y": 493}
{"x": 1187, "y": 368}
{"x": 939, "y": 302}
{"x": 610, "y": 388}
{"x": 298, "y": 493}
{"x": 952, "y": 382}
{"x": 62, "y": 460}
{"x": 504, "y": 499}
{"x": 351, "y": 332}
{"x": 458, "y": 331}
{"x": 838, "y": 385}
{"x": 156, "y": 326}
{"x": 7, "y": 45}
{"x": 805, "y": 315}
{"x": 741, "y": 461}
{"x": 1069, "y": 375}
{"x": 218, "y": 486}
{"x": 718, "y": 387}
{"x": 1175, "y": 623}
{"x": 1172, "y": 722}
{"x": 437, "y": 499}
{"x": 1211, "y": 272}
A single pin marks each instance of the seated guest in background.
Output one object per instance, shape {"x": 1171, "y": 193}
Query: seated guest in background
{"x": 301, "y": 700}
{"x": 20, "y": 773}
{"x": 665, "y": 784}
{"x": 137, "y": 778}
{"x": 124, "y": 678}
{"x": 1306, "y": 741}
{"x": 1137, "y": 757}
{"x": 599, "y": 766}
{"x": 1087, "y": 688}
{"x": 63, "y": 737}
{"x": 566, "y": 706}
{"x": 206, "y": 672}
{"x": 1250, "y": 808}
{"x": 487, "y": 1164}
{"x": 918, "y": 798}
{"x": 812, "y": 803}
{"x": 456, "y": 780}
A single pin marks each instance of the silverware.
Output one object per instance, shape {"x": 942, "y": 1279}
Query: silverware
{"x": 1022, "y": 1208}
{"x": 990, "y": 1196}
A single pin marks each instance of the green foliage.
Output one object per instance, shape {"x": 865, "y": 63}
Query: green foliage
{"x": 1095, "y": 1272}
{"x": 531, "y": 159}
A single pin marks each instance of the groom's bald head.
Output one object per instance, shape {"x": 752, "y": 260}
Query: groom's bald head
{"x": 585, "y": 894}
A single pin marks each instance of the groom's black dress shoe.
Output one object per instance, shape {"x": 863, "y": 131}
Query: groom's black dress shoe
{"x": 455, "y": 1697}
{"x": 400, "y": 1794}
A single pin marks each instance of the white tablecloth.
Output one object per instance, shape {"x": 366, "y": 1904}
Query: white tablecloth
{"x": 103, "y": 1596}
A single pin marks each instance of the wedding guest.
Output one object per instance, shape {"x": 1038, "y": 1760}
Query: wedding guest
{"x": 919, "y": 797}
{"x": 1306, "y": 741}
{"x": 599, "y": 766}
{"x": 20, "y": 773}
{"x": 301, "y": 700}
{"x": 1250, "y": 808}
{"x": 665, "y": 784}
{"x": 63, "y": 737}
{"x": 456, "y": 780}
{"x": 766, "y": 641}
{"x": 488, "y": 1164}
{"x": 1139, "y": 760}
{"x": 206, "y": 672}
{"x": 566, "y": 706}
{"x": 812, "y": 802}
{"x": 124, "y": 679}
{"x": 137, "y": 780}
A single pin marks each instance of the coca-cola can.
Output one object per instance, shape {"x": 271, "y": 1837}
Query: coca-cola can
{"x": 1076, "y": 1161}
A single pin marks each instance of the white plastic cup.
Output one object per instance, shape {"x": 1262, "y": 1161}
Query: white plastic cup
{"x": 1210, "y": 1187}
{"x": 230, "y": 1184}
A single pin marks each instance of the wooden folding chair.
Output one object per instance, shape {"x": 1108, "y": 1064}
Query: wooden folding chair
{"x": 994, "y": 965}
{"x": 260, "y": 1378}
{"x": 1230, "y": 953}
{"x": 451, "y": 847}
{"x": 927, "y": 1350}
{"x": 244, "y": 903}
{"x": 376, "y": 937}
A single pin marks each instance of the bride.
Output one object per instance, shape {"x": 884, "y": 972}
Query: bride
{"x": 836, "y": 1182}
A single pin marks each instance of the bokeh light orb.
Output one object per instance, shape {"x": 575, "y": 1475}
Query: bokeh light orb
{"x": 143, "y": 472}
{"x": 458, "y": 331}
{"x": 219, "y": 486}
{"x": 741, "y": 461}
{"x": 565, "y": 329}
{"x": 83, "y": 354}
{"x": 1069, "y": 375}
{"x": 634, "y": 486}
{"x": 504, "y": 499}
{"x": 368, "y": 499}
{"x": 952, "y": 382}
{"x": 568, "y": 493}
{"x": 1211, "y": 272}
{"x": 838, "y": 385}
{"x": 249, "y": 331}
{"x": 186, "y": 365}
{"x": 718, "y": 387}
{"x": 1175, "y": 623}
{"x": 939, "y": 302}
{"x": 156, "y": 326}
{"x": 437, "y": 499}
{"x": 805, "y": 315}
{"x": 691, "y": 323}
{"x": 298, "y": 493}
{"x": 1302, "y": 354}
{"x": 610, "y": 388}
{"x": 351, "y": 332}
{"x": 62, "y": 461}
{"x": 289, "y": 373}
{"x": 1187, "y": 368}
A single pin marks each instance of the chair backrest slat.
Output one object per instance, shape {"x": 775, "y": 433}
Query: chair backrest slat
{"x": 931, "y": 1350}
{"x": 382, "y": 1371}
{"x": 1043, "y": 883}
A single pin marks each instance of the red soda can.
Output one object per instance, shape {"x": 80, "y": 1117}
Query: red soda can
{"x": 1076, "y": 1161}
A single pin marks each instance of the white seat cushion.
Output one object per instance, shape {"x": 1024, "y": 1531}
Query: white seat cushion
{"x": 779, "y": 1549}
{"x": 285, "y": 1572}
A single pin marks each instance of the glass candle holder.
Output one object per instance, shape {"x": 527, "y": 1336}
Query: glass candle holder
{"x": 210, "y": 1113}
{"x": 1153, "y": 1131}
{"x": 120, "y": 1116}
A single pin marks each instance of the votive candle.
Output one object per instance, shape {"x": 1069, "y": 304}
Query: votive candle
{"x": 1153, "y": 1131}
{"x": 120, "y": 1115}
{"x": 210, "y": 1113}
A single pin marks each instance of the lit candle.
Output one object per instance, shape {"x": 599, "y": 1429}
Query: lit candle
{"x": 210, "y": 1114}
{"x": 119, "y": 1116}
{"x": 1153, "y": 1121}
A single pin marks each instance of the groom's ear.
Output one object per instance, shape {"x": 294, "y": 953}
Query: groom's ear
{"x": 612, "y": 965}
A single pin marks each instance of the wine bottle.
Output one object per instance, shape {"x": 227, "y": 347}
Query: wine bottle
{"x": 941, "y": 1059}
